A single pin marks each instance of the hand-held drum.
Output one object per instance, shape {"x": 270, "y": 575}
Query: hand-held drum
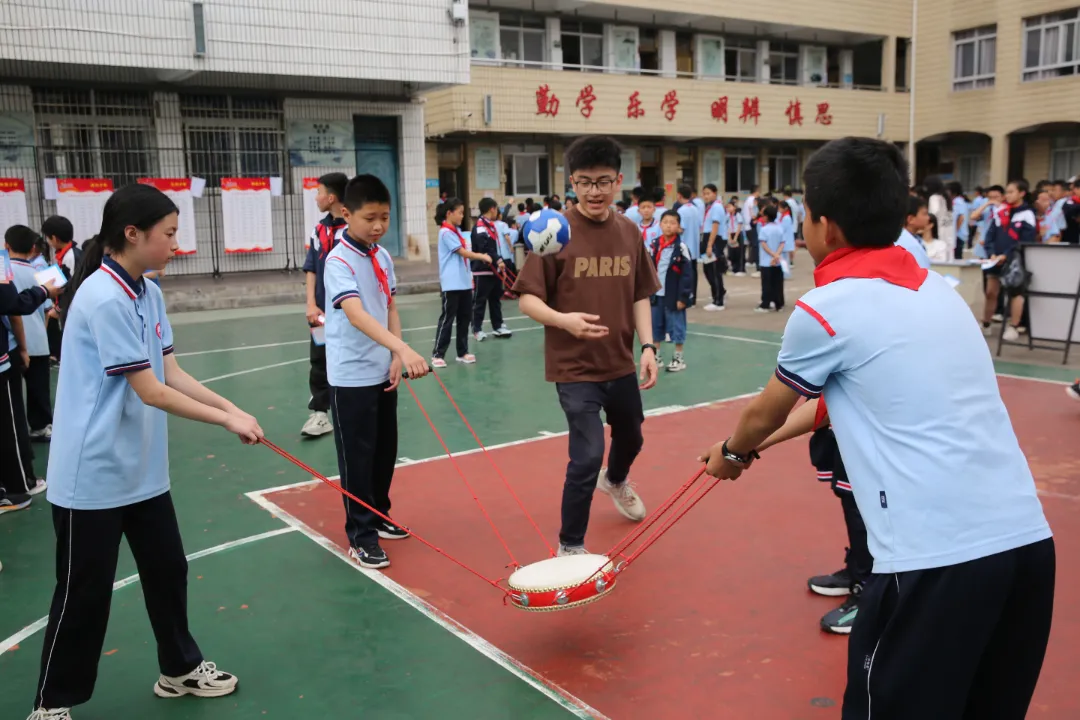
{"x": 560, "y": 583}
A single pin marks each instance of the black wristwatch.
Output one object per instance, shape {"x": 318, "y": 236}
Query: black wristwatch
{"x": 738, "y": 460}
{"x": 649, "y": 346}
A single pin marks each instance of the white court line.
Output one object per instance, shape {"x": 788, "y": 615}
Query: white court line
{"x": 8, "y": 643}
{"x": 553, "y": 692}
{"x": 305, "y": 342}
{"x": 734, "y": 337}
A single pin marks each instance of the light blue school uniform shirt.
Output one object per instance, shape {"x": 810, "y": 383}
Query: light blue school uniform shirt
{"x": 506, "y": 246}
{"x": 787, "y": 225}
{"x": 1056, "y": 217}
{"x": 691, "y": 221}
{"x": 937, "y": 471}
{"x": 772, "y": 235}
{"x": 634, "y": 214}
{"x": 717, "y": 215}
{"x": 700, "y": 205}
{"x": 455, "y": 272}
{"x": 352, "y": 358}
{"x": 961, "y": 211}
{"x": 115, "y": 449}
{"x": 651, "y": 233}
{"x": 914, "y": 246}
{"x": 985, "y": 220}
{"x": 37, "y": 340}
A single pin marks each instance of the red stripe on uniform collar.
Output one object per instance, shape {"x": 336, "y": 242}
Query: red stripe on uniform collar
{"x": 892, "y": 264}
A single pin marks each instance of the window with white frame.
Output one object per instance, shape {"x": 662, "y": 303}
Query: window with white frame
{"x": 971, "y": 170}
{"x": 521, "y": 39}
{"x": 484, "y": 35}
{"x": 740, "y": 60}
{"x": 740, "y": 171}
{"x": 1065, "y": 157}
{"x": 95, "y": 134}
{"x": 1052, "y": 45}
{"x": 710, "y": 56}
{"x": 227, "y": 136}
{"x": 526, "y": 170}
{"x": 783, "y": 63}
{"x": 582, "y": 45}
{"x": 974, "y": 58}
{"x": 783, "y": 167}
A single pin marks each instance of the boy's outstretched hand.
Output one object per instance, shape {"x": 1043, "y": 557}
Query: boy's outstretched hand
{"x": 719, "y": 467}
{"x": 581, "y": 326}
{"x": 408, "y": 361}
{"x": 649, "y": 370}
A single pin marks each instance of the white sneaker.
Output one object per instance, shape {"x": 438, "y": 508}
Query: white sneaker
{"x": 467, "y": 359}
{"x": 1011, "y": 334}
{"x": 204, "y": 681}
{"x": 316, "y": 425}
{"x": 998, "y": 317}
{"x": 438, "y": 363}
{"x": 504, "y": 332}
{"x": 677, "y": 364}
{"x": 42, "y": 435}
{"x": 40, "y": 486}
{"x": 711, "y": 307}
{"x": 480, "y": 336}
{"x": 57, "y": 714}
{"x": 565, "y": 550}
{"x": 626, "y": 500}
{"x": 740, "y": 274}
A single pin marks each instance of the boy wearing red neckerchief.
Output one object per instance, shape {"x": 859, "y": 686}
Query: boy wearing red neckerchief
{"x": 955, "y": 619}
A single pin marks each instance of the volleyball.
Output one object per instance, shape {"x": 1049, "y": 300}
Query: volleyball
{"x": 546, "y": 232}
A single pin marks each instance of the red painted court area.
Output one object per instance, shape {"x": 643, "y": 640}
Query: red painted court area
{"x": 714, "y": 621}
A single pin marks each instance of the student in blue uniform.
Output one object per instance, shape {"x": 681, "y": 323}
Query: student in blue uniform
{"x": 323, "y": 239}
{"x": 20, "y": 241}
{"x": 365, "y": 359}
{"x": 770, "y": 238}
{"x": 714, "y": 235}
{"x": 787, "y": 225}
{"x": 671, "y": 258}
{"x": 918, "y": 217}
{"x": 961, "y": 216}
{"x": 692, "y": 220}
{"x": 118, "y": 383}
{"x": 955, "y": 619}
{"x": 456, "y": 282}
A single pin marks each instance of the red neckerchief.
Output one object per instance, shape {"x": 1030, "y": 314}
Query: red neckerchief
{"x": 662, "y": 244}
{"x": 892, "y": 264}
{"x": 62, "y": 252}
{"x": 786, "y": 213}
{"x": 645, "y": 230}
{"x": 372, "y": 253}
{"x": 761, "y": 221}
{"x": 461, "y": 239}
{"x": 490, "y": 227}
{"x": 326, "y": 233}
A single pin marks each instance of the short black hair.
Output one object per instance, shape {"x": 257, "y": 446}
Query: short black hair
{"x": 335, "y": 184}
{"x": 754, "y": 188}
{"x": 638, "y": 192}
{"x": 860, "y": 184}
{"x": 686, "y": 191}
{"x": 672, "y": 213}
{"x": 996, "y": 188}
{"x": 710, "y": 186}
{"x": 647, "y": 199}
{"x": 1061, "y": 183}
{"x": 914, "y": 204}
{"x": 769, "y": 212}
{"x": 555, "y": 205}
{"x": 445, "y": 209}
{"x": 59, "y": 227}
{"x": 20, "y": 238}
{"x": 622, "y": 205}
{"x": 978, "y": 189}
{"x": 593, "y": 151}
{"x": 658, "y": 195}
{"x": 934, "y": 185}
{"x": 364, "y": 189}
{"x": 486, "y": 204}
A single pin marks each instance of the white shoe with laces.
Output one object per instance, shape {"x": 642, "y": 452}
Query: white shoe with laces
{"x": 566, "y": 550}
{"x": 40, "y": 486}
{"x": 318, "y": 424}
{"x": 1011, "y": 334}
{"x": 480, "y": 336}
{"x": 57, "y": 714}
{"x": 204, "y": 681}
{"x": 626, "y": 500}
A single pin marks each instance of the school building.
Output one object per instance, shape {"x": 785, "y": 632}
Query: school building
{"x": 736, "y": 94}
{"x": 281, "y": 90}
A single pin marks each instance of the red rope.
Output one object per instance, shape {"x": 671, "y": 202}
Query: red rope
{"x": 494, "y": 465}
{"x": 453, "y": 460}
{"x": 300, "y": 464}
{"x": 687, "y": 505}
{"x": 637, "y": 532}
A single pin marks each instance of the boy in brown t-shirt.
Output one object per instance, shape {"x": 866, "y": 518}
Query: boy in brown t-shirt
{"x": 591, "y": 297}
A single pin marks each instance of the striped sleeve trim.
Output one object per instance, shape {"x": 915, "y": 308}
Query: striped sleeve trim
{"x": 167, "y": 350}
{"x": 841, "y": 485}
{"x": 127, "y": 367}
{"x": 4, "y": 358}
{"x": 342, "y": 297}
{"x": 796, "y": 383}
{"x": 824, "y": 475}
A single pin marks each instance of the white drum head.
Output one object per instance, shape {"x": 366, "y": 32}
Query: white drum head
{"x": 558, "y": 572}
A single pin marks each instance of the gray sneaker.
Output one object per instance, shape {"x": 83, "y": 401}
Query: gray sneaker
{"x": 627, "y": 502}
{"x": 565, "y": 550}
{"x": 316, "y": 425}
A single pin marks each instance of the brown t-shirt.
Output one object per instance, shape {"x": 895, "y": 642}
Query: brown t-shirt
{"x": 603, "y": 270}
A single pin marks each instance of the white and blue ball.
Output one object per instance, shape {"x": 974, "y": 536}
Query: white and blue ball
{"x": 546, "y": 232}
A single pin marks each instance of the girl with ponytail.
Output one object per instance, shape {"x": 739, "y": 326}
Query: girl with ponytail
{"x": 109, "y": 469}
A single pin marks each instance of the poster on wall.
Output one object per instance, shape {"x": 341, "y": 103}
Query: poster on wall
{"x": 16, "y": 140}
{"x": 629, "y": 167}
{"x": 487, "y": 168}
{"x": 82, "y": 201}
{"x": 312, "y": 214}
{"x": 12, "y": 203}
{"x": 321, "y": 143}
{"x": 815, "y": 62}
{"x": 179, "y": 191}
{"x": 711, "y": 163}
{"x": 484, "y": 35}
{"x": 247, "y": 215}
